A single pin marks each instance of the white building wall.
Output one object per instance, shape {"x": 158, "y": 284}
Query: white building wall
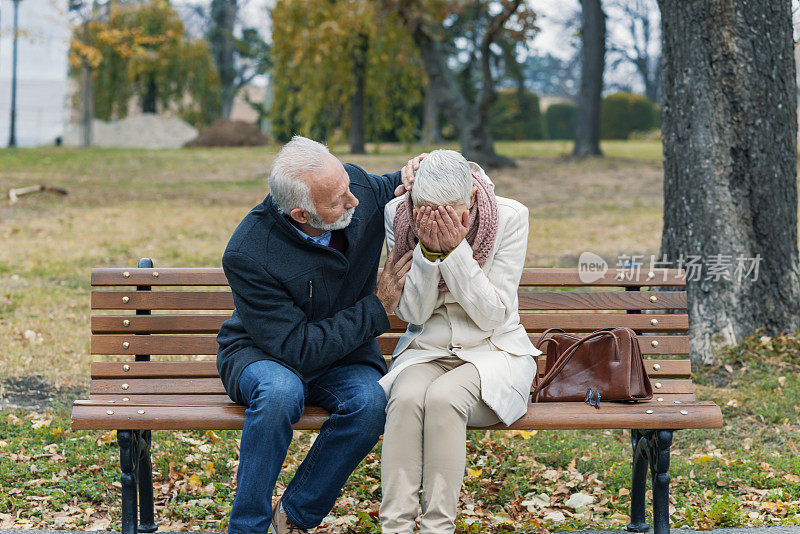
{"x": 42, "y": 84}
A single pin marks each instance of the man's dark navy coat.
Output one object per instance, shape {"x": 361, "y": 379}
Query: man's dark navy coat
{"x": 305, "y": 305}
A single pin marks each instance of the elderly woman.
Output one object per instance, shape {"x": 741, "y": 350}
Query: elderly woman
{"x": 465, "y": 359}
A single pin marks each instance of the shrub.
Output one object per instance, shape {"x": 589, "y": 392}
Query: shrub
{"x": 624, "y": 113}
{"x": 560, "y": 119}
{"x": 515, "y": 115}
{"x": 223, "y": 132}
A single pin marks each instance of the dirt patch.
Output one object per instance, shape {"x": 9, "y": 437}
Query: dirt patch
{"x": 229, "y": 133}
{"x": 34, "y": 393}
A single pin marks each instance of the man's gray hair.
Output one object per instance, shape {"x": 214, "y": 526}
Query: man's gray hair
{"x": 443, "y": 179}
{"x": 298, "y": 159}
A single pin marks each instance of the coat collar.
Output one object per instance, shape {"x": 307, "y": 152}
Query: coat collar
{"x": 351, "y": 231}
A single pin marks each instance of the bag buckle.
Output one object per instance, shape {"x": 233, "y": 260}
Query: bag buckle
{"x": 592, "y": 398}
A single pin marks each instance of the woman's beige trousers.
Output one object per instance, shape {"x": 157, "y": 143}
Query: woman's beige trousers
{"x": 425, "y": 443}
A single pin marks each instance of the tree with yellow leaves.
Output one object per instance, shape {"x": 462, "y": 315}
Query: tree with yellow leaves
{"x": 344, "y": 64}
{"x": 141, "y": 53}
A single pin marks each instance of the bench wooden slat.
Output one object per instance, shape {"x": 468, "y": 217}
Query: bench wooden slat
{"x": 157, "y": 386}
{"x": 222, "y": 399}
{"x": 139, "y": 370}
{"x": 213, "y": 386}
{"x": 210, "y": 323}
{"x": 547, "y": 276}
{"x": 168, "y": 417}
{"x": 159, "y": 345}
{"x": 158, "y": 324}
{"x": 166, "y": 277}
{"x": 601, "y": 300}
{"x": 174, "y": 324}
{"x": 207, "y": 345}
{"x": 673, "y": 345}
{"x": 575, "y": 415}
{"x": 178, "y": 323}
{"x": 528, "y": 300}
{"x": 531, "y": 276}
{"x": 162, "y": 300}
{"x": 208, "y": 369}
{"x": 178, "y": 399}
{"x": 546, "y": 416}
{"x": 582, "y": 322}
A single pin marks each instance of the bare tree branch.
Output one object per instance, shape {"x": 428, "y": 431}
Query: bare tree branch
{"x": 497, "y": 23}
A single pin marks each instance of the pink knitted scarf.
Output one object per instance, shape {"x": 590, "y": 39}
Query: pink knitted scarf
{"x": 482, "y": 224}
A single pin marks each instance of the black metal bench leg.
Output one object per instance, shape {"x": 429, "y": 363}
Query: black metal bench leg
{"x": 650, "y": 452}
{"x": 129, "y": 460}
{"x": 146, "y": 513}
{"x": 659, "y": 467}
{"x": 638, "y": 482}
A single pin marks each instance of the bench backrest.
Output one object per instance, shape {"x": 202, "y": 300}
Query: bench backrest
{"x": 175, "y": 313}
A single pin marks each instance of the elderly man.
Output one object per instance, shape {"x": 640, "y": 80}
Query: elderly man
{"x": 302, "y": 268}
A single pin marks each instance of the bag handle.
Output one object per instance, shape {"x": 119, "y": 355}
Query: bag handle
{"x": 564, "y": 359}
{"x": 544, "y": 334}
{"x": 542, "y": 342}
{"x": 543, "y": 338}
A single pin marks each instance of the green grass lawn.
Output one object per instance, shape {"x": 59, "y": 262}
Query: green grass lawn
{"x": 180, "y": 206}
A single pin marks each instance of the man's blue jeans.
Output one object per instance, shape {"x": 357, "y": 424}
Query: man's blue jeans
{"x": 275, "y": 399}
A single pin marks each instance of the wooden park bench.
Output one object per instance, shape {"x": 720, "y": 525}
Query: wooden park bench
{"x": 137, "y": 395}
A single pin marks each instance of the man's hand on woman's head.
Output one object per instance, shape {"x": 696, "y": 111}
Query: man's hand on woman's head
{"x": 407, "y": 174}
{"x": 451, "y": 228}
{"x": 426, "y": 227}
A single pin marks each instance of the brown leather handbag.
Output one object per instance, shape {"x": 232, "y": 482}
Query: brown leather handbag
{"x": 607, "y": 364}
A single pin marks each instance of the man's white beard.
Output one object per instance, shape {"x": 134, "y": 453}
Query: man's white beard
{"x": 342, "y": 222}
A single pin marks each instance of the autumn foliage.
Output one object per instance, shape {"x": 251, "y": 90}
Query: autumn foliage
{"x": 141, "y": 53}
{"x": 314, "y": 47}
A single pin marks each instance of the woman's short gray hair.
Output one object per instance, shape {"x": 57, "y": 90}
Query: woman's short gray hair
{"x": 443, "y": 179}
{"x": 287, "y": 177}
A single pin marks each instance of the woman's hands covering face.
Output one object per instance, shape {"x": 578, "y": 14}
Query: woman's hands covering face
{"x": 452, "y": 229}
{"x": 440, "y": 229}
{"x": 427, "y": 230}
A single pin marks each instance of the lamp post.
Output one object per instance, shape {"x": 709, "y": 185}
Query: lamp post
{"x": 12, "y": 137}
{"x": 87, "y": 108}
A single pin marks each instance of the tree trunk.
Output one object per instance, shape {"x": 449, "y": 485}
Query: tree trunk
{"x": 650, "y": 78}
{"x": 87, "y": 110}
{"x": 730, "y": 155}
{"x": 652, "y": 82}
{"x": 657, "y": 79}
{"x": 649, "y": 65}
{"x": 430, "y": 128}
{"x": 471, "y": 125}
{"x": 357, "y": 130}
{"x": 223, "y": 18}
{"x": 150, "y": 99}
{"x": 593, "y": 55}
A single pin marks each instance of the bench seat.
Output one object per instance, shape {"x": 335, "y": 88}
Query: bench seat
{"x": 189, "y": 395}
{"x": 178, "y": 415}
